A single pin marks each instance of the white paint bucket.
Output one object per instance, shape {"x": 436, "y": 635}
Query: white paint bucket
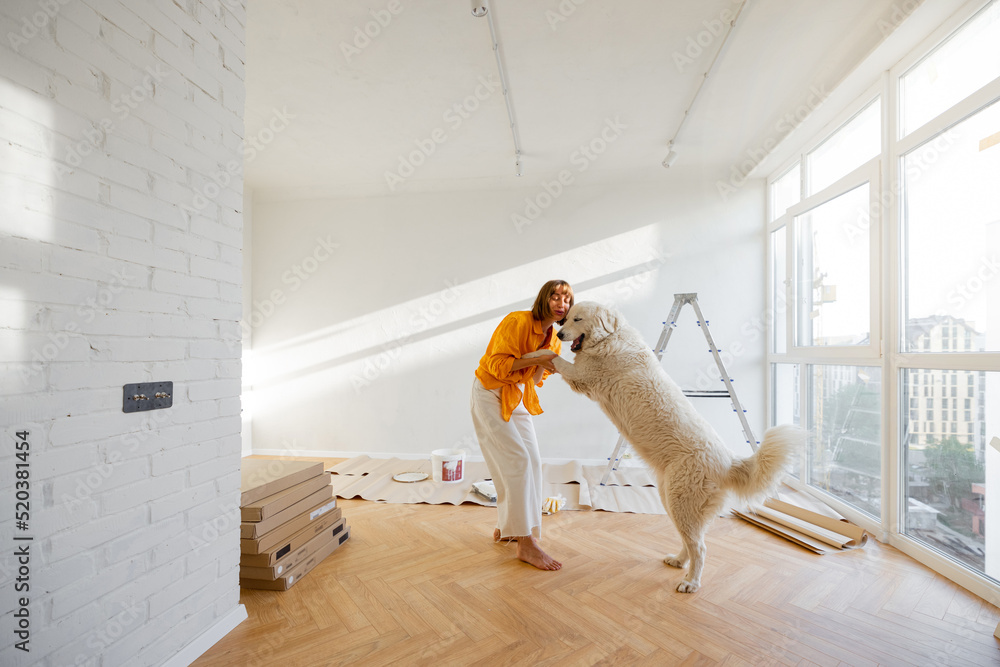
{"x": 447, "y": 465}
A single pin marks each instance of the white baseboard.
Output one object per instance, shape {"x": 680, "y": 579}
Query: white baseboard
{"x": 208, "y": 639}
{"x": 331, "y": 454}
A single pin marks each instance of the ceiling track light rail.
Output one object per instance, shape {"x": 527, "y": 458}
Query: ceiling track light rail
{"x": 480, "y": 9}
{"x": 671, "y": 157}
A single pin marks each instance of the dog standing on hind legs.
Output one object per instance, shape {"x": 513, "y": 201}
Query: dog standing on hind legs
{"x": 695, "y": 471}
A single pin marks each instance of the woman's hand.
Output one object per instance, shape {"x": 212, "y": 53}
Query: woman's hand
{"x": 545, "y": 361}
{"x": 544, "y": 364}
{"x": 541, "y": 358}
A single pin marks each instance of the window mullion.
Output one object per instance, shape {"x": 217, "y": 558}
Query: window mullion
{"x": 892, "y": 455}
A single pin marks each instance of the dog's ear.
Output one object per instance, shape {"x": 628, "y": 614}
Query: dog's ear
{"x": 608, "y": 319}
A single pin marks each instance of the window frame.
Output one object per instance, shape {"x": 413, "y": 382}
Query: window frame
{"x": 868, "y": 173}
{"x": 841, "y": 122}
{"x": 915, "y": 56}
{"x": 886, "y": 283}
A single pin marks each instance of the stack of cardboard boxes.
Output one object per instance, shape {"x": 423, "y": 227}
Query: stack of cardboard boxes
{"x": 290, "y": 522}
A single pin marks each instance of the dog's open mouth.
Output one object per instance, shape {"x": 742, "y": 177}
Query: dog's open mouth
{"x": 577, "y": 344}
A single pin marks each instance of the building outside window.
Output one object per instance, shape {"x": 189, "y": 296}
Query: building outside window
{"x": 884, "y": 233}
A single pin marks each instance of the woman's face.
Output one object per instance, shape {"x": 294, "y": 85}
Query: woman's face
{"x": 559, "y": 302}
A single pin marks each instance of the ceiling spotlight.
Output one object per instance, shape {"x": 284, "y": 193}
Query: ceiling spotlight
{"x": 479, "y": 8}
{"x": 670, "y": 159}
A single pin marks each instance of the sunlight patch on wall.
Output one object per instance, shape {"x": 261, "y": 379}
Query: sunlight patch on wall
{"x": 29, "y": 172}
{"x": 456, "y": 320}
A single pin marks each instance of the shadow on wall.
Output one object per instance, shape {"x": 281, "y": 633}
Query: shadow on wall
{"x": 385, "y": 338}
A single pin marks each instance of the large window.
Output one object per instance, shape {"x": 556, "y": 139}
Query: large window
{"x": 786, "y": 191}
{"x": 963, "y": 64}
{"x": 858, "y": 141}
{"x": 779, "y": 304}
{"x": 832, "y": 272}
{"x": 785, "y": 405}
{"x": 951, "y": 228}
{"x": 827, "y": 310}
{"x": 884, "y": 282}
{"x": 845, "y": 457}
{"x": 946, "y": 459}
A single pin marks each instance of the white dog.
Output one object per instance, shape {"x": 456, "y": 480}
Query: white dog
{"x": 695, "y": 471}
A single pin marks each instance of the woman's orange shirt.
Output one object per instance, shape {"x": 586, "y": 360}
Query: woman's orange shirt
{"x": 518, "y": 334}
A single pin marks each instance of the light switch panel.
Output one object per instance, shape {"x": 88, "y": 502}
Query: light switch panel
{"x": 147, "y": 396}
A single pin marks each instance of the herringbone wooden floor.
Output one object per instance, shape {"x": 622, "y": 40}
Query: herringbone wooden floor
{"x": 426, "y": 585}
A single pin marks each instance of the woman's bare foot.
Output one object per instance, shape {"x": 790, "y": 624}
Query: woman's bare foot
{"x": 529, "y": 551}
{"x": 497, "y": 538}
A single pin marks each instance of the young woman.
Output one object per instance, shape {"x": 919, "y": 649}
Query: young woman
{"x": 503, "y": 401}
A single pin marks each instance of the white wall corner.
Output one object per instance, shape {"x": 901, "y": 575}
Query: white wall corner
{"x": 208, "y": 639}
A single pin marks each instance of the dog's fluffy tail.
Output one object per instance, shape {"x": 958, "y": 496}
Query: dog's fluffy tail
{"x": 756, "y": 476}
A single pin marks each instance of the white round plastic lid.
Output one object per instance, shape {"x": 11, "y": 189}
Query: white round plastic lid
{"x": 410, "y": 476}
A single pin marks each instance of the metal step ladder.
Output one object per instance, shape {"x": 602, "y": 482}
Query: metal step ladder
{"x": 621, "y": 448}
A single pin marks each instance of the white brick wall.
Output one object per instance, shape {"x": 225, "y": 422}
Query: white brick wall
{"x": 115, "y": 118}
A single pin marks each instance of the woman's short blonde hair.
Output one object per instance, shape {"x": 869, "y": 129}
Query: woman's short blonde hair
{"x": 541, "y": 311}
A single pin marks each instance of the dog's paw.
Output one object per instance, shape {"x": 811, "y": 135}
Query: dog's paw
{"x": 673, "y": 561}
{"x": 688, "y": 586}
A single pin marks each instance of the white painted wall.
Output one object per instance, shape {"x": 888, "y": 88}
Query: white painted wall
{"x": 120, "y": 262}
{"x": 370, "y": 346}
{"x": 245, "y": 329}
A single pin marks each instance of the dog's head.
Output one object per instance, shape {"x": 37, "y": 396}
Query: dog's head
{"x": 588, "y": 323}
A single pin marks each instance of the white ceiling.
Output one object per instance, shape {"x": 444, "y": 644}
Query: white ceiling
{"x": 351, "y": 117}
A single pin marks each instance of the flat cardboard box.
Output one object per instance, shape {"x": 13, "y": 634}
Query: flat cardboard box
{"x": 268, "y": 507}
{"x": 280, "y": 534}
{"x": 293, "y": 576}
{"x": 254, "y": 529}
{"x": 272, "y": 572}
{"x": 260, "y": 478}
{"x": 276, "y": 554}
